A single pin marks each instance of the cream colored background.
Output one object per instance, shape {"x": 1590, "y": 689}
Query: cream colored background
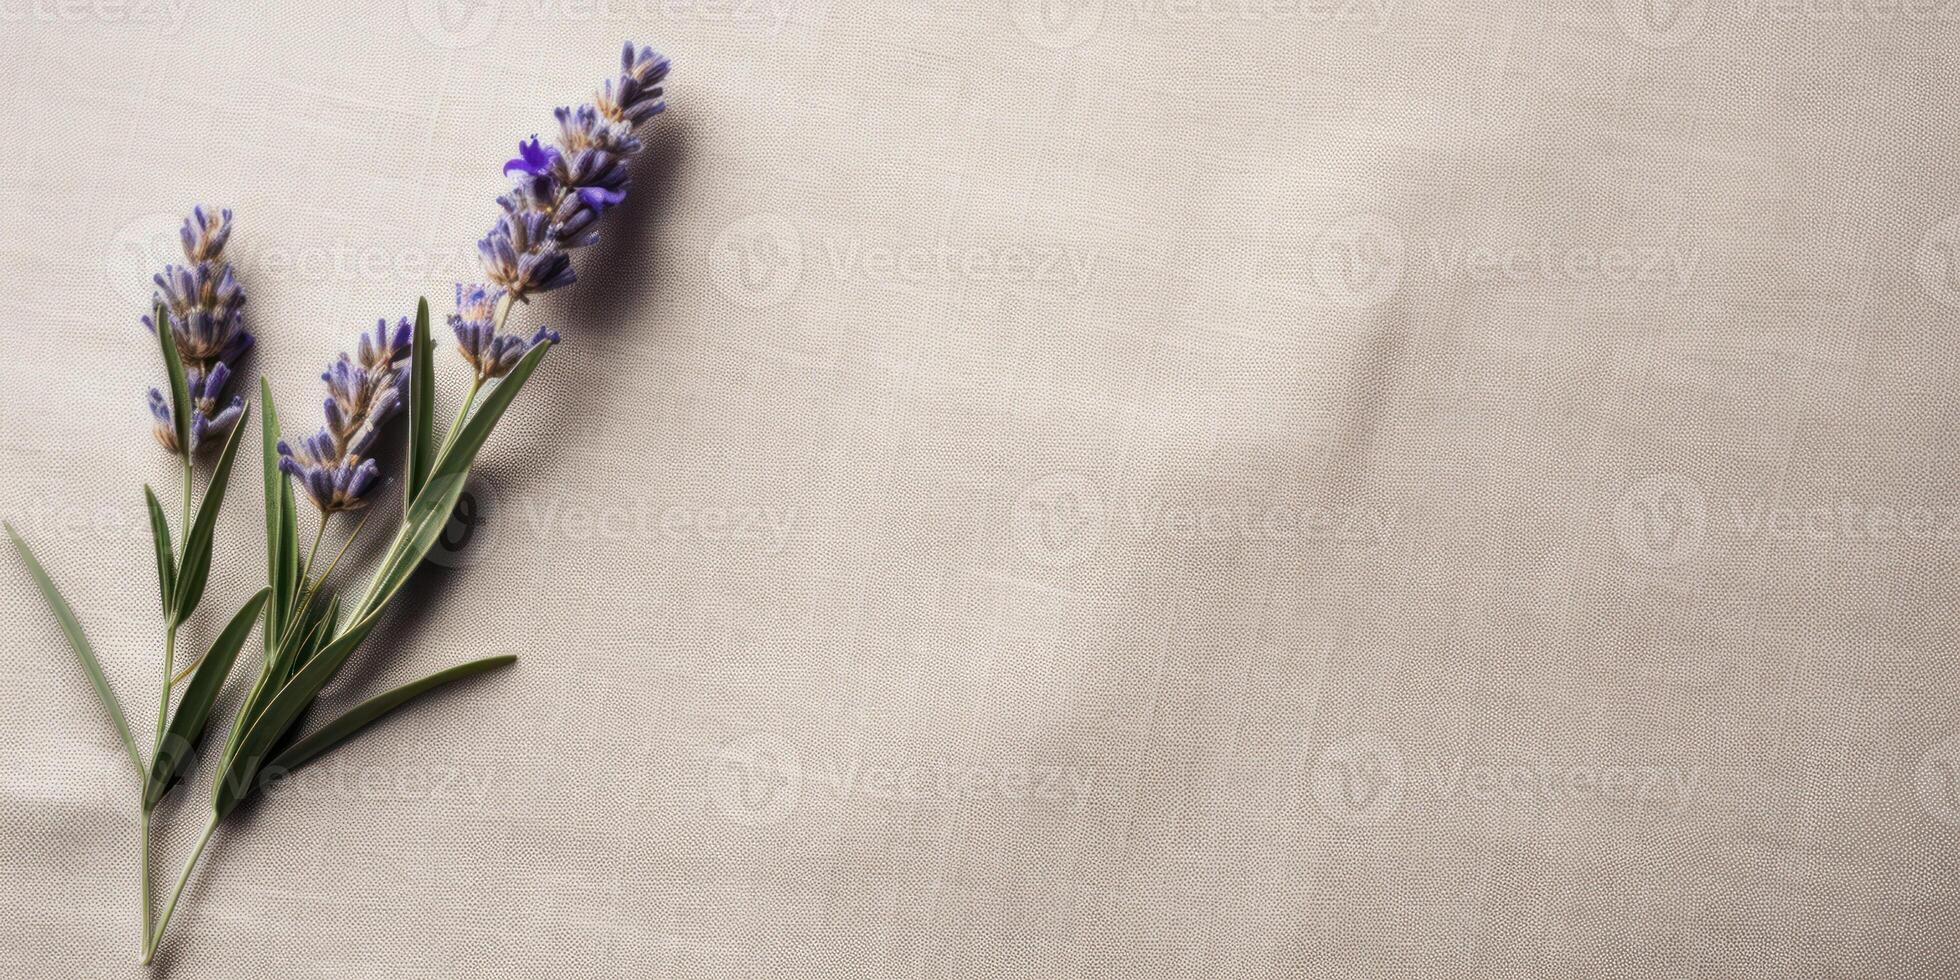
{"x": 1323, "y": 489}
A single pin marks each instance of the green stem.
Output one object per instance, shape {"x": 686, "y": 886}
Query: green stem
{"x": 163, "y": 698}
{"x": 163, "y": 718}
{"x": 469, "y": 401}
{"x": 156, "y": 939}
{"x": 498, "y": 317}
{"x": 143, "y": 790}
{"x": 313, "y": 551}
{"x": 448, "y": 439}
{"x": 313, "y": 591}
{"x": 344, "y": 545}
{"x": 306, "y": 584}
{"x": 143, "y": 872}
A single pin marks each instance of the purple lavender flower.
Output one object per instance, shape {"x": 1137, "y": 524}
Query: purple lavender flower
{"x": 559, "y": 192}
{"x": 335, "y": 483}
{"x": 335, "y": 465}
{"x": 210, "y": 423}
{"x": 520, "y": 255}
{"x": 204, "y": 306}
{"x": 475, "y": 326}
{"x": 532, "y": 158}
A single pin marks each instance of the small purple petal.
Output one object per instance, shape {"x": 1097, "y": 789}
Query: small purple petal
{"x": 532, "y": 158}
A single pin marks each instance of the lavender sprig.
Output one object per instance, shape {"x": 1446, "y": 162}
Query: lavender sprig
{"x": 558, "y": 193}
{"x": 204, "y": 305}
{"x": 335, "y": 465}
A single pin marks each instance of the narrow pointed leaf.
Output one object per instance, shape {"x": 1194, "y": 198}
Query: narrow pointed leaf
{"x": 429, "y": 513}
{"x": 288, "y": 583}
{"x": 76, "y": 639}
{"x": 427, "y": 516}
{"x": 197, "y": 543}
{"x": 307, "y": 639}
{"x": 166, "y": 558}
{"x": 315, "y": 633}
{"x": 273, "y": 674}
{"x": 289, "y": 543}
{"x": 194, "y": 711}
{"x": 235, "y": 779}
{"x": 421, "y": 406}
{"x": 275, "y": 608}
{"x": 247, "y": 710}
{"x": 461, "y": 454}
{"x": 358, "y": 718}
{"x": 425, "y": 523}
{"x": 320, "y": 632}
{"x": 180, "y": 389}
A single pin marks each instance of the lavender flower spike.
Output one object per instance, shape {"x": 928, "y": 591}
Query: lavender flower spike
{"x": 204, "y": 306}
{"x": 559, "y": 191}
{"x": 335, "y": 466}
{"x": 475, "y": 326}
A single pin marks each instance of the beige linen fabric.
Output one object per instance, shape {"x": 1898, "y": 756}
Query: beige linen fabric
{"x": 1118, "y": 488}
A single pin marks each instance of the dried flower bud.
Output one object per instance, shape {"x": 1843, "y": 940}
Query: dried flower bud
{"x": 203, "y": 304}
{"x": 335, "y": 466}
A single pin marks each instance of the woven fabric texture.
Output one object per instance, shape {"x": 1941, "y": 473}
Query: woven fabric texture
{"x": 1045, "y": 488}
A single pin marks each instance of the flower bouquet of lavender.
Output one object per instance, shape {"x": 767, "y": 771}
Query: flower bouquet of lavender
{"x": 310, "y": 624}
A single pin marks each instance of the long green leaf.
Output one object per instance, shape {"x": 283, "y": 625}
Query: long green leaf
{"x": 339, "y": 730}
{"x": 427, "y": 516}
{"x": 197, "y": 543}
{"x": 239, "y": 772}
{"x": 314, "y": 632}
{"x": 272, "y": 675}
{"x": 194, "y": 711}
{"x": 166, "y": 559}
{"x": 461, "y": 454}
{"x": 430, "y": 511}
{"x": 320, "y": 632}
{"x": 243, "y": 717}
{"x": 421, "y": 406}
{"x": 180, "y": 389}
{"x": 279, "y": 654}
{"x": 426, "y": 521}
{"x": 73, "y": 628}
{"x": 282, "y": 570}
{"x": 275, "y": 610}
{"x": 289, "y": 549}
